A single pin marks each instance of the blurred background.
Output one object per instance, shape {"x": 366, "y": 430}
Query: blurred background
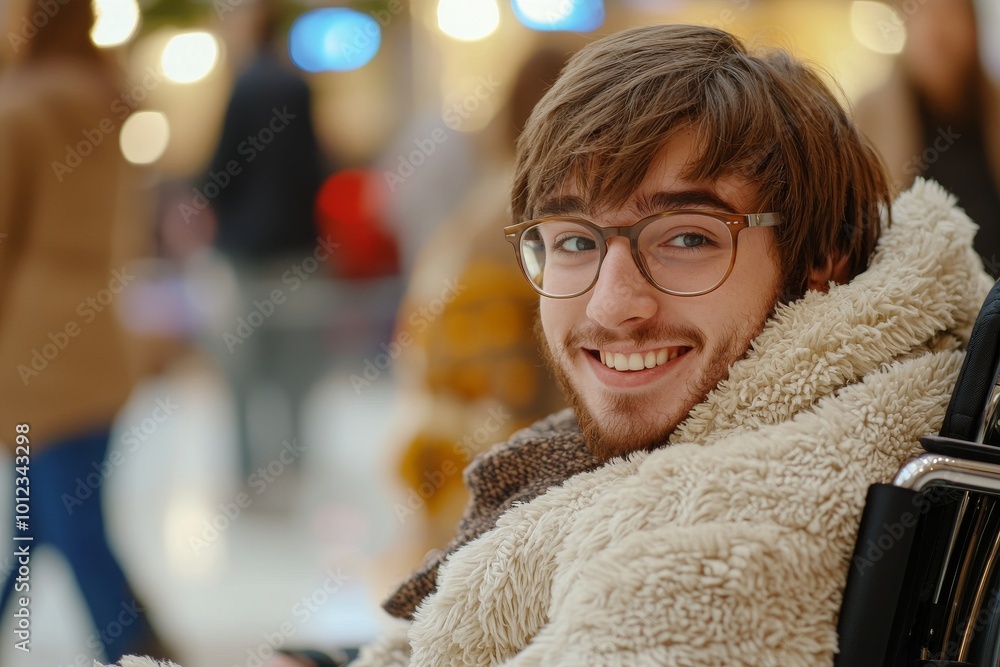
{"x": 255, "y": 304}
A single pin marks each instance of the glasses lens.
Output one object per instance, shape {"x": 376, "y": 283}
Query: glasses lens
{"x": 686, "y": 253}
{"x": 560, "y": 257}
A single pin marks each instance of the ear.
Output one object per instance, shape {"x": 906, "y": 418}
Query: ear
{"x": 834, "y": 269}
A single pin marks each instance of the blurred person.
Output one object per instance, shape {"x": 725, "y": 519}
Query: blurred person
{"x": 938, "y": 116}
{"x": 68, "y": 226}
{"x": 470, "y": 373}
{"x": 262, "y": 185}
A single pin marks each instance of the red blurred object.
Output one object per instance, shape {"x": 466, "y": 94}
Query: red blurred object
{"x": 349, "y": 213}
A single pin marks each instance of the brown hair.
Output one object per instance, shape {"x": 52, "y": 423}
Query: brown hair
{"x": 764, "y": 117}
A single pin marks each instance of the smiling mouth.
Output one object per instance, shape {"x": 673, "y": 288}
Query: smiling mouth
{"x": 638, "y": 361}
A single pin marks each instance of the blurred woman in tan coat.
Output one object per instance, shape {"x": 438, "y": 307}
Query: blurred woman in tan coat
{"x": 66, "y": 202}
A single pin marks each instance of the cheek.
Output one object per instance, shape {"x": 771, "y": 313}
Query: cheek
{"x": 547, "y": 319}
{"x": 757, "y": 264}
{"x": 558, "y": 318}
{"x": 748, "y": 294}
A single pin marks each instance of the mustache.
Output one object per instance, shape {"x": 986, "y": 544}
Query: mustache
{"x": 595, "y": 336}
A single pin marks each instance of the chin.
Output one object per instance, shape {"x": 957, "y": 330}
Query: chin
{"x": 619, "y": 435}
{"x": 613, "y": 429}
{"x": 613, "y": 425}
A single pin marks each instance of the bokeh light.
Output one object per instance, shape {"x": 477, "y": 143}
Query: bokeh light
{"x": 575, "y": 15}
{"x": 877, "y": 26}
{"x": 190, "y": 56}
{"x": 335, "y": 39}
{"x": 468, "y": 20}
{"x": 144, "y": 137}
{"x": 116, "y": 22}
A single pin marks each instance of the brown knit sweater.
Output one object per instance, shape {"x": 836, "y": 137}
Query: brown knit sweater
{"x": 534, "y": 460}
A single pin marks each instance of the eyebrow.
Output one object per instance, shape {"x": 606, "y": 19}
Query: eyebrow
{"x": 555, "y": 206}
{"x": 643, "y": 205}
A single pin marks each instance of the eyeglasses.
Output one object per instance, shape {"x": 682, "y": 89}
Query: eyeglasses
{"x": 684, "y": 253}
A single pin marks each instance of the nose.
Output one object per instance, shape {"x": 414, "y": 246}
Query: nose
{"x": 622, "y": 297}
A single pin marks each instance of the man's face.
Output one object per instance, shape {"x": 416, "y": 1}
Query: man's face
{"x": 625, "y": 411}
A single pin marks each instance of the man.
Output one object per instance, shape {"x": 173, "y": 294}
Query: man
{"x": 740, "y": 371}
{"x": 761, "y": 351}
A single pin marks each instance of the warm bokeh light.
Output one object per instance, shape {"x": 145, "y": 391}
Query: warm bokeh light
{"x": 334, "y": 40}
{"x": 468, "y": 20}
{"x": 575, "y": 15}
{"x": 877, "y": 26}
{"x": 144, "y": 137}
{"x": 116, "y": 22}
{"x": 190, "y": 56}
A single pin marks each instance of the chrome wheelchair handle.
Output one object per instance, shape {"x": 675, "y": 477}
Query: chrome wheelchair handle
{"x": 937, "y": 469}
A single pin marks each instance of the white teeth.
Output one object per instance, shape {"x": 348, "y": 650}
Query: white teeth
{"x": 636, "y": 361}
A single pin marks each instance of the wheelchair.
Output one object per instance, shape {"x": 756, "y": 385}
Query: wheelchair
{"x": 924, "y": 583}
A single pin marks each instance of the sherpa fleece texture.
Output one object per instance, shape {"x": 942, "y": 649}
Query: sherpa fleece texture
{"x": 730, "y": 546}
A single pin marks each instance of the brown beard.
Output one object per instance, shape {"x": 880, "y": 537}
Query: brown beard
{"x": 606, "y": 441}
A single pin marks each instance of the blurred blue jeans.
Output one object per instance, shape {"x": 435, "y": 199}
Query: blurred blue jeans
{"x": 77, "y": 530}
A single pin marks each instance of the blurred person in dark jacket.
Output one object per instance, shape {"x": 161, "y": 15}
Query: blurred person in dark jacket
{"x": 266, "y": 210}
{"x": 262, "y": 185}
{"x": 68, "y": 225}
{"x": 938, "y": 116}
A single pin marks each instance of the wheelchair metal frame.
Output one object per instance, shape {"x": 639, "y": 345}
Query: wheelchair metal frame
{"x": 967, "y": 476}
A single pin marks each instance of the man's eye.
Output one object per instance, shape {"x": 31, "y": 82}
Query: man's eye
{"x": 689, "y": 240}
{"x": 575, "y": 244}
